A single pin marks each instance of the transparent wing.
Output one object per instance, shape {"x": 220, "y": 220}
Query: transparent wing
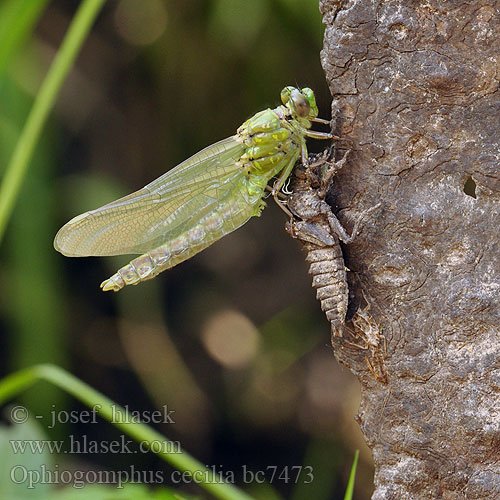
{"x": 160, "y": 211}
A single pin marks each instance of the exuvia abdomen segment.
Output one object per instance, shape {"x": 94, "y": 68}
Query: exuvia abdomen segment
{"x": 330, "y": 281}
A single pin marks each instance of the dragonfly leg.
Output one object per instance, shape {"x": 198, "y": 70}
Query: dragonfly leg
{"x": 330, "y": 172}
{"x": 304, "y": 158}
{"x": 285, "y": 174}
{"x": 279, "y": 194}
{"x": 320, "y": 135}
{"x": 319, "y": 120}
{"x": 318, "y": 163}
{"x": 282, "y": 205}
{"x": 337, "y": 227}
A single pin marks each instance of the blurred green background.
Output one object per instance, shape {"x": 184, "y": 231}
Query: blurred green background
{"x": 233, "y": 340}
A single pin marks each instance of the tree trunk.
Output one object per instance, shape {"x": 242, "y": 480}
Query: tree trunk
{"x": 416, "y": 98}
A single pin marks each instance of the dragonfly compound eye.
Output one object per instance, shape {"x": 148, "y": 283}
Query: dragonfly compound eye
{"x": 309, "y": 94}
{"x": 300, "y": 104}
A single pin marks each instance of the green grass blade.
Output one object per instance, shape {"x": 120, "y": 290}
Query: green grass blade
{"x": 17, "y": 19}
{"x": 352, "y": 477}
{"x": 18, "y": 165}
{"x": 11, "y": 385}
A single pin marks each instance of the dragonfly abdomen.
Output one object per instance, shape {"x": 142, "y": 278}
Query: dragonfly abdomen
{"x": 229, "y": 215}
{"x": 151, "y": 264}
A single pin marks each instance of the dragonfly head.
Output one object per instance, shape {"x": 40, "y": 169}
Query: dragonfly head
{"x": 301, "y": 103}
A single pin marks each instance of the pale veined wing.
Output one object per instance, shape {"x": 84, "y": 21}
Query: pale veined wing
{"x": 160, "y": 211}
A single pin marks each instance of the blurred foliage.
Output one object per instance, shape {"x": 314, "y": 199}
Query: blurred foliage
{"x": 157, "y": 81}
{"x": 10, "y": 482}
{"x": 17, "y": 18}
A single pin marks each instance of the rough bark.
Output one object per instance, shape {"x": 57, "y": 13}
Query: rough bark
{"x": 415, "y": 86}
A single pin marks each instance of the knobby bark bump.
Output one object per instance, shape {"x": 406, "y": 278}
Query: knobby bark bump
{"x": 416, "y": 98}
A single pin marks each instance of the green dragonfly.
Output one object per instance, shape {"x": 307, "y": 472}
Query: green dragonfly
{"x": 200, "y": 200}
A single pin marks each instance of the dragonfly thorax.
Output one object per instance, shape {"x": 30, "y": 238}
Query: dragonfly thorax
{"x": 272, "y": 140}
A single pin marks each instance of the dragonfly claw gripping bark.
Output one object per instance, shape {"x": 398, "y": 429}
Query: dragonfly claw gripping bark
{"x": 201, "y": 200}
{"x": 319, "y": 230}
